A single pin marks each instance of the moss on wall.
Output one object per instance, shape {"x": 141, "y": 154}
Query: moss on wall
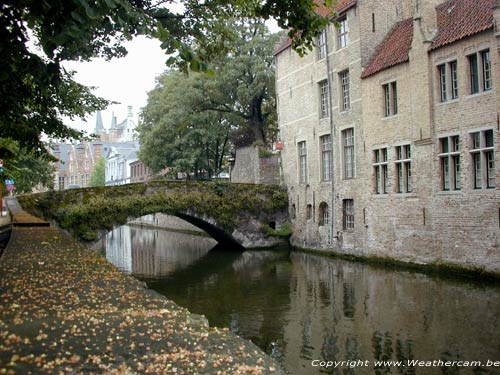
{"x": 86, "y": 211}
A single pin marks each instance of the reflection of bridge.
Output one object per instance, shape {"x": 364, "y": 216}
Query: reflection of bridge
{"x": 233, "y": 214}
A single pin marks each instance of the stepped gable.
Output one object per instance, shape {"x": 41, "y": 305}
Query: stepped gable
{"x": 340, "y": 7}
{"x": 458, "y": 19}
{"x": 393, "y": 50}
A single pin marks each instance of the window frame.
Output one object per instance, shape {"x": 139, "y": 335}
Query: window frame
{"x": 326, "y": 157}
{"x": 324, "y": 99}
{"x": 345, "y": 102}
{"x": 380, "y": 168}
{"x": 349, "y": 164}
{"x": 480, "y": 73}
{"x": 404, "y": 183}
{"x": 483, "y": 159}
{"x": 322, "y": 45}
{"x": 390, "y": 91}
{"x": 342, "y": 32}
{"x": 348, "y": 214}
{"x": 449, "y": 162}
{"x": 302, "y": 153}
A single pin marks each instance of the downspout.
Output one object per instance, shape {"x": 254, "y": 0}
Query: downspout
{"x": 332, "y": 129}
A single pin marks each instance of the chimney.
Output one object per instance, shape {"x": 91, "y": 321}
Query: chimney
{"x": 424, "y": 12}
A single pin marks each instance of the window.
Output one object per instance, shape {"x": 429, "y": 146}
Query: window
{"x": 348, "y": 214}
{"x": 403, "y": 169}
{"x": 61, "y": 182}
{"x": 474, "y": 74}
{"x": 454, "y": 79}
{"x": 380, "y": 170}
{"x": 344, "y": 85}
{"x": 326, "y": 158}
{"x": 449, "y": 157}
{"x": 321, "y": 44}
{"x": 390, "y": 99}
{"x": 483, "y": 159}
{"x": 324, "y": 98}
{"x": 324, "y": 215}
{"x": 442, "y": 82}
{"x": 294, "y": 211}
{"x": 480, "y": 77}
{"x": 309, "y": 211}
{"x": 342, "y": 33}
{"x": 302, "y": 162}
{"x": 485, "y": 58}
{"x": 348, "y": 145}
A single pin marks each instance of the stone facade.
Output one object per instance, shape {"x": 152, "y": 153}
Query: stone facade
{"x": 424, "y": 206}
{"x": 253, "y": 168}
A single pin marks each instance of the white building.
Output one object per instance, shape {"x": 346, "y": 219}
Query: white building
{"x": 119, "y": 158}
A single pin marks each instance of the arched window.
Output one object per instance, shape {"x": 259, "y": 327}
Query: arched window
{"x": 324, "y": 214}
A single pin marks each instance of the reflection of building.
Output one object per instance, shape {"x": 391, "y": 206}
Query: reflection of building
{"x": 153, "y": 253}
{"x": 390, "y": 132}
{"x": 76, "y": 163}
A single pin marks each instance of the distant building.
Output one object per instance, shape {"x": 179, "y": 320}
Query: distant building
{"x": 139, "y": 172}
{"x": 118, "y": 160}
{"x": 118, "y": 132}
{"x": 76, "y": 163}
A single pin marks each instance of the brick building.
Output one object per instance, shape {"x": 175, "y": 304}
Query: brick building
{"x": 391, "y": 130}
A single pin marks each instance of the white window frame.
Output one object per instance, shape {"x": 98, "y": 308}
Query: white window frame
{"x": 380, "y": 168}
{"x": 404, "y": 183}
{"x": 390, "y": 91}
{"x": 321, "y": 45}
{"x": 326, "y": 157}
{"x": 348, "y": 214}
{"x": 483, "y": 159}
{"x": 342, "y": 33}
{"x": 348, "y": 152}
{"x": 302, "y": 151}
{"x": 449, "y": 162}
{"x": 324, "y": 99}
{"x": 344, "y": 78}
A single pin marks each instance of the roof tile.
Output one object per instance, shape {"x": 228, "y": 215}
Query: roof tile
{"x": 393, "y": 50}
{"x": 457, "y": 19}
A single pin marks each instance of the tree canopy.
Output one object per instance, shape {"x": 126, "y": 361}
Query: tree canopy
{"x": 35, "y": 89}
{"x": 189, "y": 119}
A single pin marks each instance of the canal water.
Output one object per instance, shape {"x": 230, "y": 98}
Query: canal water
{"x": 306, "y": 310}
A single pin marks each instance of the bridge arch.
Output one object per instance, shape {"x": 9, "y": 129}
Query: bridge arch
{"x": 233, "y": 214}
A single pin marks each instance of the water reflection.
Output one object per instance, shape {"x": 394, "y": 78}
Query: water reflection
{"x": 300, "y": 307}
{"x": 154, "y": 253}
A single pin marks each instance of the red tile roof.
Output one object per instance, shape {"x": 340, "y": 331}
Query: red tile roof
{"x": 458, "y": 19}
{"x": 393, "y": 50}
{"x": 340, "y": 7}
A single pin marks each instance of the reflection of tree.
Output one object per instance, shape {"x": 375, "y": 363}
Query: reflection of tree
{"x": 251, "y": 299}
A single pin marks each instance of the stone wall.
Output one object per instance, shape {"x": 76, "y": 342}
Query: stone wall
{"x": 252, "y": 167}
{"x": 424, "y": 226}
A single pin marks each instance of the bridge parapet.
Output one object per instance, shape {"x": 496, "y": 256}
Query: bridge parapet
{"x": 232, "y": 213}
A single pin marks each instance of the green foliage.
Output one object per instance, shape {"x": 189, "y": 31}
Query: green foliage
{"x": 189, "y": 118}
{"x": 85, "y": 211}
{"x": 98, "y": 177}
{"x": 27, "y": 168}
{"x": 285, "y": 231}
{"x": 36, "y": 91}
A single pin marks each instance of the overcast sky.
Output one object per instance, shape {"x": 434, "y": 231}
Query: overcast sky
{"x": 126, "y": 80}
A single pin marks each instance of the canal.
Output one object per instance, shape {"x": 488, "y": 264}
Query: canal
{"x": 303, "y": 309}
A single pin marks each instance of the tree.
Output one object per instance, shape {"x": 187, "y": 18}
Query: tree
{"x": 26, "y": 168}
{"x": 175, "y": 133}
{"x": 35, "y": 89}
{"x": 244, "y": 84}
{"x": 98, "y": 176}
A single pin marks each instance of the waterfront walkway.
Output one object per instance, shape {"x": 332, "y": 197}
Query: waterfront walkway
{"x": 65, "y": 310}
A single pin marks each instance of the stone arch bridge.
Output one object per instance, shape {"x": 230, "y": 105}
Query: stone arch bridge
{"x": 239, "y": 215}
